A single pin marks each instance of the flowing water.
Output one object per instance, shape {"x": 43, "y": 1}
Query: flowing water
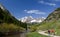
{"x": 23, "y": 34}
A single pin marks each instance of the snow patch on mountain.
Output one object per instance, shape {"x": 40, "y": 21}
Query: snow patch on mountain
{"x": 30, "y": 19}
{"x": 2, "y": 7}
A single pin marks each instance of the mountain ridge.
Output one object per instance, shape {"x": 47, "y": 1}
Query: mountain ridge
{"x": 51, "y": 22}
{"x": 30, "y": 19}
{"x": 9, "y": 24}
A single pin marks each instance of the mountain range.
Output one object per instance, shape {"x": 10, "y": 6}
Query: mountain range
{"x": 30, "y": 19}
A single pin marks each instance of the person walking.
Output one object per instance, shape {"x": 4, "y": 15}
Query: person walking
{"x": 53, "y": 32}
{"x": 49, "y": 32}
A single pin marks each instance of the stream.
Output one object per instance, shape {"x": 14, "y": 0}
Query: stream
{"x": 23, "y": 34}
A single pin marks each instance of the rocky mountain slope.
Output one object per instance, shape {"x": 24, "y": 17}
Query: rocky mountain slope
{"x": 52, "y": 22}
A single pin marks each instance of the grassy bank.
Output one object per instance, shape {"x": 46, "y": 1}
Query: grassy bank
{"x": 35, "y": 34}
{"x": 9, "y": 29}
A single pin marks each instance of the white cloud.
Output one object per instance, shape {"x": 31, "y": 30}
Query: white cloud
{"x": 25, "y": 10}
{"x": 51, "y": 4}
{"x": 41, "y": 2}
{"x": 56, "y": 0}
{"x": 34, "y": 12}
{"x": 47, "y": 3}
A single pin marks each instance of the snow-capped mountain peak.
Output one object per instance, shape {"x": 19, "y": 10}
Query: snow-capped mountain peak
{"x": 33, "y": 20}
{"x": 26, "y": 19}
{"x": 30, "y": 19}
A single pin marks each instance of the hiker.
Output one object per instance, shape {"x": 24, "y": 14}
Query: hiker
{"x": 48, "y": 31}
{"x": 53, "y": 32}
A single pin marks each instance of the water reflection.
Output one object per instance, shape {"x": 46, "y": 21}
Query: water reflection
{"x": 17, "y": 35}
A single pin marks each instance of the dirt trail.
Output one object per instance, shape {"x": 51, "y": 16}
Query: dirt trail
{"x": 43, "y": 33}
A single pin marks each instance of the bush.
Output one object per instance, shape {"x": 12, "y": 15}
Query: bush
{"x": 10, "y": 28}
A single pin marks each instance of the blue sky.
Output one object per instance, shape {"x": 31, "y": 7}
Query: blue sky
{"x": 34, "y": 8}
